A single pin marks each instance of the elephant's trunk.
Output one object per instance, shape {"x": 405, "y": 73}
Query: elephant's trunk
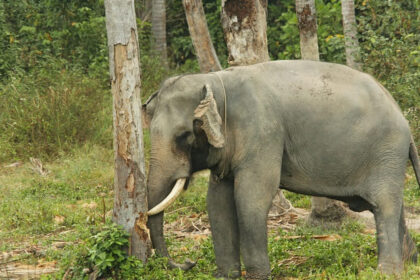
{"x": 159, "y": 186}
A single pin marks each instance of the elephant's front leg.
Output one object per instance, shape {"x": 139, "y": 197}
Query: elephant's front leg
{"x": 254, "y": 192}
{"x": 224, "y": 227}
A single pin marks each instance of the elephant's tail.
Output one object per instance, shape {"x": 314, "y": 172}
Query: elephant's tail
{"x": 415, "y": 159}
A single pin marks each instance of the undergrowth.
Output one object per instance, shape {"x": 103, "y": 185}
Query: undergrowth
{"x": 51, "y": 112}
{"x": 72, "y": 205}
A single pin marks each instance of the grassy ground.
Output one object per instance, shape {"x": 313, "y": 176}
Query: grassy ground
{"x": 46, "y": 222}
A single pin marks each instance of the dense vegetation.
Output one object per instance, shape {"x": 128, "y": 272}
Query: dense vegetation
{"x": 55, "y": 104}
{"x": 54, "y": 62}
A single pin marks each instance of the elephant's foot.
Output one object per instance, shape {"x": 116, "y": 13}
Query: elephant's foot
{"x": 187, "y": 265}
{"x": 227, "y": 276}
{"x": 256, "y": 276}
{"x": 391, "y": 268}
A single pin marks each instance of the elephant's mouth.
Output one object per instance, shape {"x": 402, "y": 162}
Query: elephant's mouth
{"x": 180, "y": 185}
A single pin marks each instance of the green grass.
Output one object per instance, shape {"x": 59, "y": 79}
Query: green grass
{"x": 32, "y": 206}
{"x": 68, "y": 205}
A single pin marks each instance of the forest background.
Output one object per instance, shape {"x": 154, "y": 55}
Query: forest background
{"x": 54, "y": 62}
{"x": 55, "y": 101}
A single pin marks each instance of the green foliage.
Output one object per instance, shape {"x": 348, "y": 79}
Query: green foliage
{"x": 108, "y": 253}
{"x": 50, "y": 111}
{"x": 389, "y": 42}
{"x": 283, "y": 32}
{"x": 298, "y": 200}
{"x": 54, "y": 62}
{"x": 34, "y": 31}
{"x": 390, "y": 51}
{"x": 180, "y": 48}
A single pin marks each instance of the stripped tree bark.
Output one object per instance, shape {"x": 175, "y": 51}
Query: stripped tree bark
{"x": 197, "y": 24}
{"x": 324, "y": 210}
{"x": 159, "y": 29}
{"x": 350, "y": 34}
{"x": 130, "y": 201}
{"x": 245, "y": 28}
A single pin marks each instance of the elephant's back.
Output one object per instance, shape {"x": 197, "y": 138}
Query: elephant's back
{"x": 332, "y": 118}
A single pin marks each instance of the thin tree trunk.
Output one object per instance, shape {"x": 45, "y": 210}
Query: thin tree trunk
{"x": 350, "y": 34}
{"x": 130, "y": 202}
{"x": 159, "y": 29}
{"x": 197, "y": 24}
{"x": 144, "y": 9}
{"x": 306, "y": 14}
{"x": 245, "y": 29}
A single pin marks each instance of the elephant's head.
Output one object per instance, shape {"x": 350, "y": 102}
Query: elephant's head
{"x": 184, "y": 124}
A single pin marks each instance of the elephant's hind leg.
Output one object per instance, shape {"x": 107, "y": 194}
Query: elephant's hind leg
{"x": 224, "y": 227}
{"x": 386, "y": 195}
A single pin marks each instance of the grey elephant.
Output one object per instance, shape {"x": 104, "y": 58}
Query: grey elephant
{"x": 313, "y": 128}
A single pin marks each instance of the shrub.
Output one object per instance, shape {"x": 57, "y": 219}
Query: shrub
{"x": 44, "y": 113}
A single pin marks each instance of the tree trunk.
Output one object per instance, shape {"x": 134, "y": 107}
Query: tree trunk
{"x": 245, "y": 29}
{"x": 350, "y": 34}
{"x": 197, "y": 24}
{"x": 306, "y": 14}
{"x": 159, "y": 29}
{"x": 324, "y": 210}
{"x": 144, "y": 9}
{"x": 130, "y": 203}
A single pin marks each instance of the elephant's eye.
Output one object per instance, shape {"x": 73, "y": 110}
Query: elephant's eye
{"x": 185, "y": 139}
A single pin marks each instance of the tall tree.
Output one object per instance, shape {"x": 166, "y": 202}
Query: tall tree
{"x": 245, "y": 27}
{"x": 350, "y": 34}
{"x": 324, "y": 210}
{"x": 306, "y": 14}
{"x": 130, "y": 202}
{"x": 159, "y": 29}
{"x": 197, "y": 24}
{"x": 143, "y": 9}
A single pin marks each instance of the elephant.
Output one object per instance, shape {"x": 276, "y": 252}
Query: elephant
{"x": 313, "y": 128}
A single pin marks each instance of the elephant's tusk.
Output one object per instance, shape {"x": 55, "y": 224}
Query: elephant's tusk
{"x": 176, "y": 191}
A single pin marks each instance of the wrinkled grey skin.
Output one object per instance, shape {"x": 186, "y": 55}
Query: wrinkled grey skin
{"x": 313, "y": 128}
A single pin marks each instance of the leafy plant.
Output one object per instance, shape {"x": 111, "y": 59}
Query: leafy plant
{"x": 108, "y": 253}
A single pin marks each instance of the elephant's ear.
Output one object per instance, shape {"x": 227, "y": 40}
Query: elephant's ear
{"x": 211, "y": 122}
{"x": 147, "y": 110}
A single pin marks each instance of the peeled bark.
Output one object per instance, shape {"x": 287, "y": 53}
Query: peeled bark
{"x": 306, "y": 14}
{"x": 350, "y": 34}
{"x": 159, "y": 29}
{"x": 130, "y": 202}
{"x": 197, "y": 25}
{"x": 245, "y": 29}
